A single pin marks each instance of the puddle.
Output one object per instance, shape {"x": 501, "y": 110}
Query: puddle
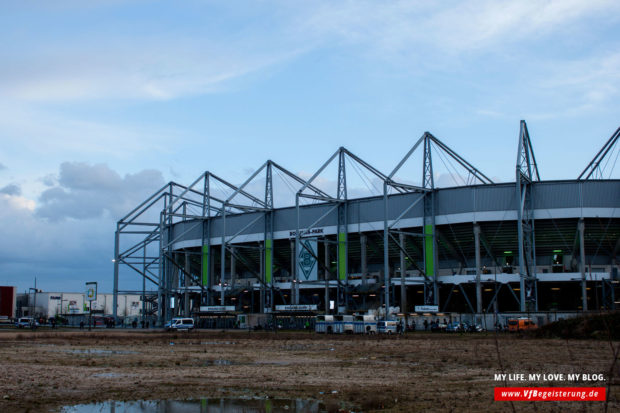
{"x": 112, "y": 375}
{"x": 295, "y": 347}
{"x": 202, "y": 406}
{"x": 100, "y": 352}
{"x": 218, "y": 362}
{"x": 273, "y": 362}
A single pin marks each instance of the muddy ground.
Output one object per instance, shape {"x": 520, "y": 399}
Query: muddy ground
{"x": 420, "y": 371}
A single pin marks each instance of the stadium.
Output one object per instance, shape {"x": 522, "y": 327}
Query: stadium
{"x": 280, "y": 243}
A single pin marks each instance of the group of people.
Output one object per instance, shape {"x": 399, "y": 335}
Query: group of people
{"x": 434, "y": 324}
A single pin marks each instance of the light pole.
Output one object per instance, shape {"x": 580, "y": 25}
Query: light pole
{"x": 33, "y": 305}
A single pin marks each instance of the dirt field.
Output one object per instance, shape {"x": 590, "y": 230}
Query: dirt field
{"x": 46, "y": 370}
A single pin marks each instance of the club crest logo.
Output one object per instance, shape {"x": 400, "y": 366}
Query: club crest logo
{"x": 306, "y": 260}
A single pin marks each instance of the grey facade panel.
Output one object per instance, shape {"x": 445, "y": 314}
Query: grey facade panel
{"x": 495, "y": 198}
{"x": 286, "y": 219}
{"x": 454, "y": 201}
{"x": 235, "y": 223}
{"x": 371, "y": 209}
{"x": 283, "y": 218}
{"x": 312, "y": 213}
{"x": 186, "y": 230}
{"x": 499, "y": 197}
{"x": 550, "y": 195}
{"x": 604, "y": 194}
{"x": 398, "y": 203}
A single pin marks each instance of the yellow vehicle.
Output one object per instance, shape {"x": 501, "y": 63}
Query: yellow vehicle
{"x": 521, "y": 324}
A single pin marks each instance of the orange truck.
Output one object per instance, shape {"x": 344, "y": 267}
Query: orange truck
{"x": 521, "y": 324}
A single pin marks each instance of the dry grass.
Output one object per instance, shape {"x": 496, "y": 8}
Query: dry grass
{"x": 417, "y": 372}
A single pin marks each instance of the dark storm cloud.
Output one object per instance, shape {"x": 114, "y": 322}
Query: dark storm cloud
{"x": 93, "y": 191}
{"x": 11, "y": 189}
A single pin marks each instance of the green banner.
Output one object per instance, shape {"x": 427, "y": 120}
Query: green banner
{"x": 268, "y": 267}
{"x": 205, "y": 265}
{"x": 342, "y": 256}
{"x": 429, "y": 253}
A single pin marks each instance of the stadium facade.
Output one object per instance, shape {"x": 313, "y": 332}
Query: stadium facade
{"x": 528, "y": 245}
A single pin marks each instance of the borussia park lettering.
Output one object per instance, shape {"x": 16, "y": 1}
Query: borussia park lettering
{"x": 307, "y": 233}
{"x": 298, "y": 307}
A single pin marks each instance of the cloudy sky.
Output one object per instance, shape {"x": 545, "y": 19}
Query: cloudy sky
{"x": 102, "y": 102}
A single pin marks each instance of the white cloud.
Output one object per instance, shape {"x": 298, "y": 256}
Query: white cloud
{"x": 68, "y": 234}
{"x": 595, "y": 80}
{"x": 15, "y": 202}
{"x": 47, "y": 135}
{"x": 95, "y": 191}
{"x": 417, "y": 28}
{"x": 148, "y": 68}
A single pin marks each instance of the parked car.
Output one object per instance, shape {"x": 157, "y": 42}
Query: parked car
{"x": 454, "y": 327}
{"x": 475, "y": 328}
{"x": 438, "y": 326}
{"x": 180, "y": 324}
{"x": 26, "y": 322}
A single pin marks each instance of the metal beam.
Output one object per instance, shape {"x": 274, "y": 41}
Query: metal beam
{"x": 594, "y": 165}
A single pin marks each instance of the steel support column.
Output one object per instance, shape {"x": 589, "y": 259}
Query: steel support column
{"x": 187, "y": 282}
{"x": 327, "y": 276}
{"x": 526, "y": 174}
{"x": 364, "y": 259}
{"x": 403, "y": 274}
{"x": 478, "y": 265}
{"x": 116, "y": 263}
{"x": 233, "y": 267}
{"x": 582, "y": 264}
{"x": 223, "y": 259}
{"x": 342, "y": 260}
{"x": 386, "y": 253}
{"x": 294, "y": 276}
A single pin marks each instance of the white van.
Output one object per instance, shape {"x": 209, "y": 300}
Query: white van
{"x": 386, "y": 327}
{"x": 180, "y": 324}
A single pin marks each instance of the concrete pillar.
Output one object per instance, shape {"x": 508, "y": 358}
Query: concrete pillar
{"x": 327, "y": 276}
{"x": 478, "y": 265}
{"x": 115, "y": 286}
{"x": 293, "y": 272}
{"x": 233, "y": 267}
{"x": 403, "y": 273}
{"x": 187, "y": 283}
{"x": 262, "y": 284}
{"x": 210, "y": 296}
{"x": 582, "y": 264}
{"x": 363, "y": 244}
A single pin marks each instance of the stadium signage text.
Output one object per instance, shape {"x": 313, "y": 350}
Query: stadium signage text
{"x": 307, "y": 233}
{"x": 217, "y": 308}
{"x": 299, "y": 307}
{"x": 426, "y": 308}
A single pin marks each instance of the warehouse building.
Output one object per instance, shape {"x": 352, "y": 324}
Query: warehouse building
{"x": 43, "y": 305}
